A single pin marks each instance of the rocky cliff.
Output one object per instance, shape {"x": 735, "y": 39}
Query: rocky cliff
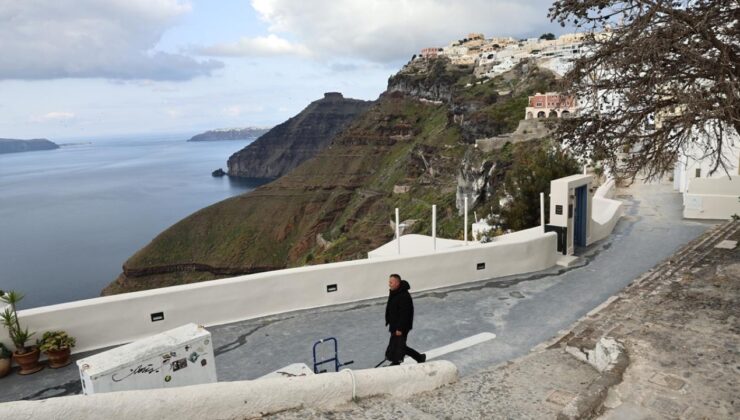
{"x": 300, "y": 138}
{"x": 230, "y": 134}
{"x": 407, "y": 150}
{"x": 17, "y": 146}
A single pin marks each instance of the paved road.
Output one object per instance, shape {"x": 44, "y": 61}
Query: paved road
{"x": 522, "y": 311}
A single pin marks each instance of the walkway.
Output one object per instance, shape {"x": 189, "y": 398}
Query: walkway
{"x": 679, "y": 327}
{"x": 522, "y": 311}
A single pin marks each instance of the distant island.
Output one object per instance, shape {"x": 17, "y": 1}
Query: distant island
{"x": 230, "y": 134}
{"x": 17, "y": 145}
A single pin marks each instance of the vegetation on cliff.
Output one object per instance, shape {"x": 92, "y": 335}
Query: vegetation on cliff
{"x": 402, "y": 152}
{"x": 298, "y": 139}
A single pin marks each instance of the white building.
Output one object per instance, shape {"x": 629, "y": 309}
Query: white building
{"x": 708, "y": 195}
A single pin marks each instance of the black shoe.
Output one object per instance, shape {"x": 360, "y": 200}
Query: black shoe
{"x": 422, "y": 359}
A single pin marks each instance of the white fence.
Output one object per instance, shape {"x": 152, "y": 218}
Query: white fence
{"x": 113, "y": 320}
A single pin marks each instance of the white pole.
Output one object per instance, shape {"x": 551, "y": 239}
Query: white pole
{"x": 466, "y": 220}
{"x": 398, "y": 233}
{"x": 585, "y": 169}
{"x": 542, "y": 211}
{"x": 434, "y": 226}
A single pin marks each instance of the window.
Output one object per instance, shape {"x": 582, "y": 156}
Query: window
{"x": 698, "y": 172}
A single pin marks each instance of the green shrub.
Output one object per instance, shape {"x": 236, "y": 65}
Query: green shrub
{"x": 56, "y": 340}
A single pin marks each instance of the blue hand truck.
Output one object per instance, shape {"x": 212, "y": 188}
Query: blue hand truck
{"x": 335, "y": 359}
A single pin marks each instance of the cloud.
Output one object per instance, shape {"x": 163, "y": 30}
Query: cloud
{"x": 270, "y": 45}
{"x": 59, "y": 115}
{"x": 51, "y": 39}
{"x": 389, "y": 30}
{"x": 237, "y": 110}
{"x": 232, "y": 111}
{"x": 174, "y": 113}
{"x": 53, "y": 116}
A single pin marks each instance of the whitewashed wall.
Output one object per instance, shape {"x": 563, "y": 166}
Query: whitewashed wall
{"x": 113, "y": 320}
{"x": 605, "y": 212}
{"x": 712, "y": 198}
{"x": 240, "y": 399}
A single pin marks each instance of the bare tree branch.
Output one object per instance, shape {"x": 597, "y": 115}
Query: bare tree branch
{"x": 661, "y": 78}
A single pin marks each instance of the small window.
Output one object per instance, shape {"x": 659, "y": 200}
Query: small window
{"x": 480, "y": 266}
{"x": 698, "y": 172}
{"x": 331, "y": 288}
{"x": 157, "y": 316}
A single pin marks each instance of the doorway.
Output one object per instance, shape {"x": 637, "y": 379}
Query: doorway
{"x": 581, "y": 217}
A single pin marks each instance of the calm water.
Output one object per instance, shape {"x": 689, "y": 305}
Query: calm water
{"x": 70, "y": 217}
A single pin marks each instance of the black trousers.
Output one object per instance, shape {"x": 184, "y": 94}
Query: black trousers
{"x": 397, "y": 350}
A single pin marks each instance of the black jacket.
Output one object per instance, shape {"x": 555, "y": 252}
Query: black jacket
{"x": 399, "y": 311}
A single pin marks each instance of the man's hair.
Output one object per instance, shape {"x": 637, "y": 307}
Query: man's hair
{"x": 396, "y": 276}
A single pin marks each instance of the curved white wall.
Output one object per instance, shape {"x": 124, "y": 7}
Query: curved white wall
{"x": 113, "y": 320}
{"x": 242, "y": 399}
{"x": 605, "y": 212}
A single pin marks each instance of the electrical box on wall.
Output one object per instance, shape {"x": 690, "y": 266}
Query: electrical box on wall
{"x": 178, "y": 357}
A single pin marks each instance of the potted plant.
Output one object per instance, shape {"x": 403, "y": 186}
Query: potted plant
{"x": 26, "y": 356}
{"x": 4, "y": 360}
{"x": 57, "y": 346}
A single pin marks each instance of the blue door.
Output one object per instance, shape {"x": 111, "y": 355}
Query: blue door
{"x": 581, "y": 216}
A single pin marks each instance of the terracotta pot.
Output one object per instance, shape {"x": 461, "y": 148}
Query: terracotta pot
{"x": 58, "y": 358}
{"x": 4, "y": 367}
{"x": 29, "y": 362}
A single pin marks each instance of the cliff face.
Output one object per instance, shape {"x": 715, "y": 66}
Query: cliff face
{"x": 300, "y": 138}
{"x": 401, "y": 152}
{"x": 17, "y": 146}
{"x": 230, "y": 134}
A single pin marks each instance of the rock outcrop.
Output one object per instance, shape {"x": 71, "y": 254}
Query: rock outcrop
{"x": 300, "y": 138}
{"x": 17, "y": 146}
{"x": 528, "y": 130}
{"x": 248, "y": 133}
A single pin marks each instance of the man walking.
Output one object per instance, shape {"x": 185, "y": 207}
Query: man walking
{"x": 399, "y": 317}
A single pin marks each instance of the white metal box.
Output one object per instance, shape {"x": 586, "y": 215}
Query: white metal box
{"x": 178, "y": 357}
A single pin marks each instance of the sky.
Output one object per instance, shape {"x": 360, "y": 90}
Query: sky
{"x": 85, "y": 68}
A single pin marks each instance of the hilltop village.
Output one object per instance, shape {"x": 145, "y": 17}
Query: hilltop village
{"x": 497, "y": 55}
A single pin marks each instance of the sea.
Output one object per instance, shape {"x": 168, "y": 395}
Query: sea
{"x": 70, "y": 217}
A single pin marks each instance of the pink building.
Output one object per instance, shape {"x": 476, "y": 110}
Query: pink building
{"x": 429, "y": 52}
{"x": 550, "y": 105}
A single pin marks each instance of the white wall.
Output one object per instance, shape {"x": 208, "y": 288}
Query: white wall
{"x": 241, "y": 399}
{"x": 605, "y": 212}
{"x": 712, "y": 198}
{"x": 685, "y": 170}
{"x": 530, "y": 233}
{"x": 113, "y": 320}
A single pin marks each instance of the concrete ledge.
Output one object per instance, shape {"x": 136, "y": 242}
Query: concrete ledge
{"x": 610, "y": 359}
{"x": 242, "y": 399}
